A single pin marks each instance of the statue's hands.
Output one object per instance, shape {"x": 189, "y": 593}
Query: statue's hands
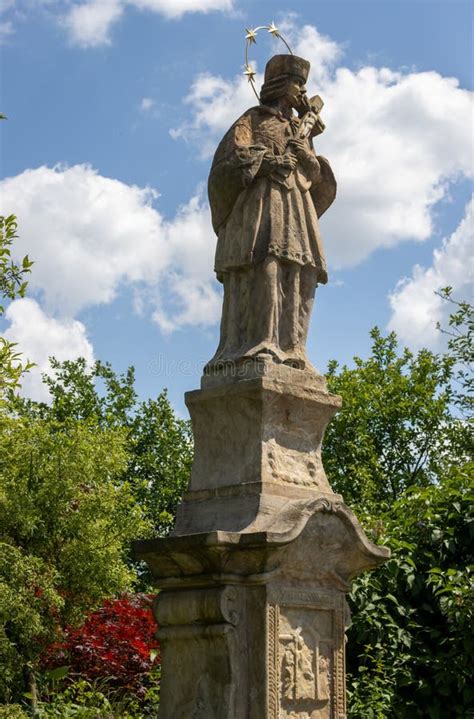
{"x": 304, "y": 105}
{"x": 288, "y": 161}
{"x": 299, "y": 148}
{"x": 282, "y": 164}
{"x": 305, "y": 155}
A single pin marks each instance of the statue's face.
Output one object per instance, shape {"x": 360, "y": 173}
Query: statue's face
{"x": 295, "y": 91}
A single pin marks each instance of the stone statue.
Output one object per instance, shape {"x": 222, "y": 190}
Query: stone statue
{"x": 267, "y": 189}
{"x": 251, "y": 610}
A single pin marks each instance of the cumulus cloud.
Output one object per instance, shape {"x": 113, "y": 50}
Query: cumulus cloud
{"x": 87, "y": 234}
{"x": 415, "y": 307}
{"x": 89, "y": 23}
{"x": 215, "y": 103}
{"x": 322, "y": 52}
{"x": 177, "y": 8}
{"x": 40, "y": 337}
{"x": 394, "y": 146}
{"x": 90, "y": 235}
{"x": 193, "y": 296}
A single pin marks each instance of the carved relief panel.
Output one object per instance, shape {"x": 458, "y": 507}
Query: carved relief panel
{"x": 305, "y": 655}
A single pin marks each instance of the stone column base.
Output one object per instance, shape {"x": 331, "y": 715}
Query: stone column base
{"x": 252, "y": 624}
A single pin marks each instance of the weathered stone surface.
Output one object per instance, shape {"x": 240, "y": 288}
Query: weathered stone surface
{"x": 252, "y": 624}
{"x": 257, "y": 444}
{"x": 267, "y": 191}
{"x": 252, "y": 609}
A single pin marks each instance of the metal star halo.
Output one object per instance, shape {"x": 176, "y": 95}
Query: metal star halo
{"x": 251, "y": 38}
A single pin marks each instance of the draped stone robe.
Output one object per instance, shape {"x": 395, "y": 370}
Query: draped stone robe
{"x": 269, "y": 252}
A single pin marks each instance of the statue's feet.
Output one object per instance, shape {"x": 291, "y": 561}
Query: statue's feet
{"x": 298, "y": 359}
{"x": 230, "y": 361}
{"x": 295, "y": 362}
{"x": 264, "y": 350}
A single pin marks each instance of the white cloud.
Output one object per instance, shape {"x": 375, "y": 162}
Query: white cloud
{"x": 89, "y": 23}
{"x": 195, "y": 302}
{"x": 395, "y": 150}
{"x": 90, "y": 235}
{"x": 177, "y": 8}
{"x": 215, "y": 104}
{"x": 320, "y": 50}
{"x": 86, "y": 233}
{"x": 415, "y": 307}
{"x": 395, "y": 140}
{"x": 40, "y": 337}
{"x": 146, "y": 104}
{"x": 193, "y": 294}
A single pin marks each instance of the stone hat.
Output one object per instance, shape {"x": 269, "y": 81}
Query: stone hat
{"x": 280, "y": 65}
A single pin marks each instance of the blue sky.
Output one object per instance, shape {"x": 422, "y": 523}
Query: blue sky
{"x": 114, "y": 108}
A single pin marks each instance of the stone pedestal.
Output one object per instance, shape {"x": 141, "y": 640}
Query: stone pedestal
{"x": 252, "y": 611}
{"x": 258, "y": 432}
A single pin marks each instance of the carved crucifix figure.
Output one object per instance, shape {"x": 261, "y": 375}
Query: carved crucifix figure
{"x": 267, "y": 190}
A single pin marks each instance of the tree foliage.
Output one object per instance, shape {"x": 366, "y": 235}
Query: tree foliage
{"x": 65, "y": 518}
{"x": 80, "y": 478}
{"x": 460, "y": 334}
{"x": 388, "y": 436}
{"x": 115, "y": 643}
{"x": 159, "y": 445}
{"x": 12, "y": 285}
{"x": 400, "y": 451}
{"x": 410, "y": 648}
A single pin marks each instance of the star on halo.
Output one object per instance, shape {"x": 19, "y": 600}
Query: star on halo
{"x": 249, "y": 72}
{"x": 273, "y": 30}
{"x": 251, "y": 35}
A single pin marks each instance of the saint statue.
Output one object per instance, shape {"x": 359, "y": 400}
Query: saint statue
{"x": 267, "y": 191}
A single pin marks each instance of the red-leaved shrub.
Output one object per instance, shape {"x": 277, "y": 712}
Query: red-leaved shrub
{"x": 115, "y": 643}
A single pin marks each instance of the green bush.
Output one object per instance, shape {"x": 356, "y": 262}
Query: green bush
{"x": 96, "y": 700}
{"x": 65, "y": 518}
{"x": 12, "y": 711}
{"x": 411, "y": 647}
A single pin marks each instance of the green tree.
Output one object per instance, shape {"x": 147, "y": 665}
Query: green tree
{"x": 388, "y": 436}
{"x": 159, "y": 444}
{"x": 411, "y": 648}
{"x": 460, "y": 333}
{"x": 66, "y": 517}
{"x": 400, "y": 452}
{"x": 80, "y": 477}
{"x": 460, "y": 349}
{"x": 12, "y": 285}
